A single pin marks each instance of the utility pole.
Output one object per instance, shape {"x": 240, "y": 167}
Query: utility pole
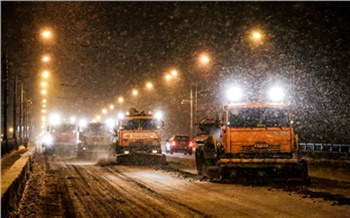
{"x": 21, "y": 117}
{"x": 14, "y": 136}
{"x": 191, "y": 110}
{"x": 5, "y": 97}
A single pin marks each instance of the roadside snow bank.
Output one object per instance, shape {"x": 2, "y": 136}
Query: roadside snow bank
{"x": 14, "y": 181}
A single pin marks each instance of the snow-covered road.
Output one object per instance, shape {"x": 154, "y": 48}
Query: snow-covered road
{"x": 70, "y": 188}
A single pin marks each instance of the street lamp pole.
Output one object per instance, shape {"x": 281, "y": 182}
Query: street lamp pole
{"x": 5, "y": 97}
{"x": 14, "y": 136}
{"x": 191, "y": 110}
{"x": 21, "y": 116}
{"x": 196, "y": 108}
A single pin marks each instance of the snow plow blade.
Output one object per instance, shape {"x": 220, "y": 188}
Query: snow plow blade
{"x": 290, "y": 170}
{"x": 141, "y": 159}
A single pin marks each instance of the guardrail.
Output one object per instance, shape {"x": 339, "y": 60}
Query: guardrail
{"x": 13, "y": 182}
{"x": 324, "y": 147}
{"x": 13, "y": 144}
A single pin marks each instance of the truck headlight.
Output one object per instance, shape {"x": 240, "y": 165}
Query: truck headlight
{"x": 235, "y": 94}
{"x": 276, "y": 94}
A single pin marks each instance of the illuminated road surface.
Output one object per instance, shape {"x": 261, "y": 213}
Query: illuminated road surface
{"x": 71, "y": 188}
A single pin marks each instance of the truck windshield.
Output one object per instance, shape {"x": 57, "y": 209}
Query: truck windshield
{"x": 258, "y": 117}
{"x": 96, "y": 129}
{"x": 145, "y": 124}
{"x": 64, "y": 133}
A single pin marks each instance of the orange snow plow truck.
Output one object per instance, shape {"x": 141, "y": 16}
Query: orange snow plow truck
{"x": 138, "y": 139}
{"x": 250, "y": 138}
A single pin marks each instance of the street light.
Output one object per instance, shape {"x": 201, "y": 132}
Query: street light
{"x": 149, "y": 85}
{"x": 46, "y": 34}
{"x": 202, "y": 61}
{"x": 173, "y": 73}
{"x": 256, "y": 37}
{"x": 45, "y": 58}
{"x": 6, "y": 63}
{"x": 120, "y": 100}
{"x": 45, "y": 74}
{"x": 168, "y": 77}
{"x": 43, "y": 84}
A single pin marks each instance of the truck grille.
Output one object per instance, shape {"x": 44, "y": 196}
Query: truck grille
{"x": 140, "y": 143}
{"x": 261, "y": 148}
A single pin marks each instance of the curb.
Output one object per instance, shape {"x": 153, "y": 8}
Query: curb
{"x": 14, "y": 181}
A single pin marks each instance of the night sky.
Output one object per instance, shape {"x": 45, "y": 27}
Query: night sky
{"x": 102, "y": 50}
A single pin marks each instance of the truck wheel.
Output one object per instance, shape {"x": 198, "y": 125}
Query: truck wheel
{"x": 190, "y": 152}
{"x": 171, "y": 151}
{"x": 199, "y": 164}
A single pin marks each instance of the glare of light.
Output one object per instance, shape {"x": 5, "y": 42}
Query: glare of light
{"x": 235, "y": 94}
{"x": 46, "y": 34}
{"x": 43, "y": 92}
{"x": 45, "y": 74}
{"x": 149, "y": 85}
{"x": 82, "y": 123}
{"x": 43, "y": 111}
{"x": 135, "y": 92}
{"x": 43, "y": 118}
{"x": 158, "y": 115}
{"x": 43, "y": 84}
{"x": 204, "y": 59}
{"x": 44, "y": 105}
{"x": 120, "y": 116}
{"x": 44, "y": 100}
{"x": 98, "y": 118}
{"x": 104, "y": 110}
{"x": 11, "y": 129}
{"x": 173, "y": 73}
{"x": 54, "y": 119}
{"x": 94, "y": 121}
{"x": 120, "y": 99}
{"x": 45, "y": 58}
{"x": 110, "y": 122}
{"x": 256, "y": 35}
{"x": 276, "y": 94}
{"x": 72, "y": 119}
{"x": 168, "y": 76}
{"x": 111, "y": 106}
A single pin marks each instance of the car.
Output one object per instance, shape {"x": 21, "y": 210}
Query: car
{"x": 179, "y": 143}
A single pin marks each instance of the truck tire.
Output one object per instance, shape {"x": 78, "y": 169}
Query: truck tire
{"x": 190, "y": 152}
{"x": 199, "y": 164}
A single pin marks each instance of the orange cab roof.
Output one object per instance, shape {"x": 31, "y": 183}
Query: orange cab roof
{"x": 257, "y": 105}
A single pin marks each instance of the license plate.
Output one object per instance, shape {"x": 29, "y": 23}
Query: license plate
{"x": 261, "y": 145}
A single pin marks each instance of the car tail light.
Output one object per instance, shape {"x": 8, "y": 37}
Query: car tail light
{"x": 173, "y": 143}
{"x": 190, "y": 144}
